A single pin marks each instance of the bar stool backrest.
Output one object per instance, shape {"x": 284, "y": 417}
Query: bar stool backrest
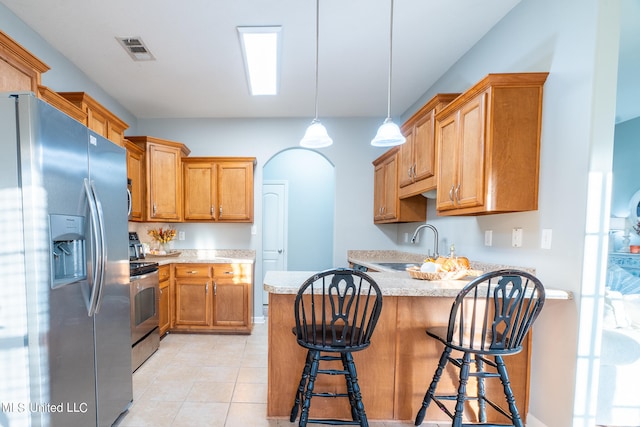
{"x": 337, "y": 310}
{"x": 493, "y": 313}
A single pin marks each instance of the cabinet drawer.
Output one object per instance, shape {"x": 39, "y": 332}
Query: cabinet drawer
{"x": 191, "y": 270}
{"x": 232, "y": 273}
{"x": 164, "y": 273}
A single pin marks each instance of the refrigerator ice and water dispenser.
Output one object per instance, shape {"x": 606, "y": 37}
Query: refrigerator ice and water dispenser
{"x": 68, "y": 252}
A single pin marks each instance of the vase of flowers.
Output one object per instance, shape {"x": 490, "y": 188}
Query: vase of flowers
{"x": 162, "y": 237}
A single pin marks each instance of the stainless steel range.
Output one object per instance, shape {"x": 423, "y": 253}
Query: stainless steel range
{"x": 145, "y": 301}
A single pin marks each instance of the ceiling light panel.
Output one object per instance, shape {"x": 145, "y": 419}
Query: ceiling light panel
{"x": 261, "y": 53}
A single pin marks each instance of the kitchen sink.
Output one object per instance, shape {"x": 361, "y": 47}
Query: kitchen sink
{"x": 400, "y": 266}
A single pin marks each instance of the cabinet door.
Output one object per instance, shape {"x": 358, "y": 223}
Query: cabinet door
{"x": 135, "y": 172}
{"x": 424, "y": 147}
{"x": 230, "y": 304}
{"x": 470, "y": 188}
{"x": 390, "y": 188}
{"x": 235, "y": 195}
{"x": 407, "y": 161}
{"x": 378, "y": 192}
{"x": 199, "y": 191}
{"x": 165, "y": 307}
{"x": 193, "y": 303}
{"x": 97, "y": 122}
{"x": 447, "y": 134}
{"x": 165, "y": 187}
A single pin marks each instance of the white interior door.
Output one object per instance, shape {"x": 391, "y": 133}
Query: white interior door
{"x": 274, "y": 228}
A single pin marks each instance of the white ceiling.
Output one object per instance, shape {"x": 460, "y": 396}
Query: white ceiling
{"x": 199, "y": 71}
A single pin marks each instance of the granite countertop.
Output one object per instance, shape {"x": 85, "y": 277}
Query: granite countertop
{"x": 207, "y": 256}
{"x": 391, "y": 284}
{"x": 371, "y": 259}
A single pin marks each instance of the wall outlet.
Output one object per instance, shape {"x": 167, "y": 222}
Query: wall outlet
{"x": 406, "y": 237}
{"x": 180, "y": 235}
{"x": 545, "y": 241}
{"x": 516, "y": 238}
{"x": 488, "y": 237}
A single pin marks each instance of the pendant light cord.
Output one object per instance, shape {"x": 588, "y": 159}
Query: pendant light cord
{"x": 390, "y": 60}
{"x": 317, "y": 44}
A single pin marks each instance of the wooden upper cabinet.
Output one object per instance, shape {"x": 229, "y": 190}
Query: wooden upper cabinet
{"x": 19, "y": 69}
{"x": 488, "y": 144}
{"x": 62, "y": 104}
{"x": 417, "y": 171}
{"x": 136, "y": 173}
{"x": 387, "y": 206}
{"x": 163, "y": 176}
{"x": 99, "y": 119}
{"x": 218, "y": 189}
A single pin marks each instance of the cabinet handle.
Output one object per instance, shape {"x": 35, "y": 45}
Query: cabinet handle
{"x": 192, "y": 272}
{"x": 457, "y": 193}
{"x": 413, "y": 170}
{"x": 220, "y": 210}
{"x": 451, "y": 193}
{"x": 154, "y": 209}
{"x": 212, "y": 210}
{"x": 206, "y": 288}
{"x": 409, "y": 171}
{"x": 215, "y": 288}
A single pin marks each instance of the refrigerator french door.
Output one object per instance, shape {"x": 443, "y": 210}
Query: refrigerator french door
{"x": 67, "y": 256}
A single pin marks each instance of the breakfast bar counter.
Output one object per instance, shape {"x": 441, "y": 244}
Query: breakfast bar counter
{"x": 395, "y": 371}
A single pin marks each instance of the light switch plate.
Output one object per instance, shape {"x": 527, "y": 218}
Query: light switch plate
{"x": 516, "y": 238}
{"x": 545, "y": 241}
{"x": 180, "y": 235}
{"x": 488, "y": 237}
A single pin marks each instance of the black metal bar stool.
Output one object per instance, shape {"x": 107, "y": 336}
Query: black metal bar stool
{"x": 489, "y": 319}
{"x": 336, "y": 312}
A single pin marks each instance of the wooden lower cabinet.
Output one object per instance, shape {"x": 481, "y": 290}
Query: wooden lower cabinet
{"x": 164, "y": 312}
{"x": 213, "y": 298}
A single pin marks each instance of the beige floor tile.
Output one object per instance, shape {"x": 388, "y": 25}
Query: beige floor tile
{"x": 218, "y": 374}
{"x": 250, "y": 393}
{"x": 150, "y": 414}
{"x": 201, "y": 414}
{"x": 249, "y": 414}
{"x": 208, "y": 391}
{"x": 173, "y": 391}
{"x": 250, "y": 374}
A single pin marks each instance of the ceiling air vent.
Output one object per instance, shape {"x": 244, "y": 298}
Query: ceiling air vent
{"x": 135, "y": 48}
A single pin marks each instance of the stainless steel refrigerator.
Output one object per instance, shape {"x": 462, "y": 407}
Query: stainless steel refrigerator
{"x": 65, "y": 338}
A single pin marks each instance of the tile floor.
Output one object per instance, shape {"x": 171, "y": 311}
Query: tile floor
{"x": 207, "y": 380}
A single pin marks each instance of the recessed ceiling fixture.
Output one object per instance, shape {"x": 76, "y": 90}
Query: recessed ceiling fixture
{"x": 389, "y": 133}
{"x": 261, "y": 51}
{"x": 136, "y": 48}
{"x": 316, "y": 135}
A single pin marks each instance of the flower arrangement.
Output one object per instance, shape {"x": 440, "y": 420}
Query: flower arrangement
{"x": 161, "y": 235}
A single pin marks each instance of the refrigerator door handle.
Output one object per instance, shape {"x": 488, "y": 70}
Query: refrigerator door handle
{"x": 95, "y": 234}
{"x": 103, "y": 247}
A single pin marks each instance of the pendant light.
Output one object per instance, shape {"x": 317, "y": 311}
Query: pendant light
{"x": 316, "y": 135}
{"x": 389, "y": 133}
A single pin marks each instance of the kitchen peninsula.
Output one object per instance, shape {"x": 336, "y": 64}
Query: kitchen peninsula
{"x": 395, "y": 371}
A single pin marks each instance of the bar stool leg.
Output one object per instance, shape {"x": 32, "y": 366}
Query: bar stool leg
{"x": 352, "y": 399}
{"x": 482, "y": 404}
{"x": 351, "y": 368}
{"x": 508, "y": 392}
{"x": 462, "y": 389}
{"x": 313, "y": 373}
{"x": 444, "y": 358}
{"x": 301, "y": 387}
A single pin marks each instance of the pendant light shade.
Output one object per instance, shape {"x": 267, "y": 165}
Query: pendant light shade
{"x": 389, "y": 133}
{"x": 316, "y": 135}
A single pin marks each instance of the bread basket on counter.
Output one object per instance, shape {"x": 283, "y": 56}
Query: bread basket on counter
{"x": 415, "y": 273}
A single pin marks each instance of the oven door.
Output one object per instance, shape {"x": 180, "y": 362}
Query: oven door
{"x": 145, "y": 302}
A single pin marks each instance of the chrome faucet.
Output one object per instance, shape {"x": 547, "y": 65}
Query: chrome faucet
{"x": 435, "y": 237}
